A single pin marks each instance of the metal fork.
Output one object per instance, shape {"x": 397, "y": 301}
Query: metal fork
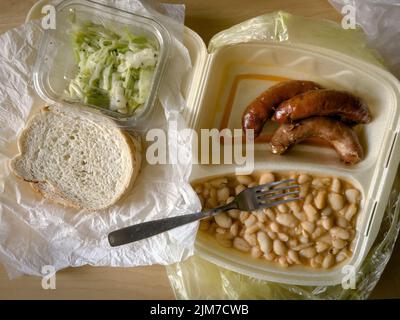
{"x": 255, "y": 198}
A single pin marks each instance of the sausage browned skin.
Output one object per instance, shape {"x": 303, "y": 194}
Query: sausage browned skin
{"x": 339, "y": 135}
{"x": 263, "y": 107}
{"x": 325, "y": 102}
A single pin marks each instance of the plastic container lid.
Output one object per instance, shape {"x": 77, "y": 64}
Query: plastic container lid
{"x": 56, "y": 66}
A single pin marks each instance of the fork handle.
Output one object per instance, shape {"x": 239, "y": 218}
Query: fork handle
{"x": 151, "y": 228}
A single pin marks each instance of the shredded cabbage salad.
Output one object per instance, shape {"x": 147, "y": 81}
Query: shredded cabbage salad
{"x": 115, "y": 71}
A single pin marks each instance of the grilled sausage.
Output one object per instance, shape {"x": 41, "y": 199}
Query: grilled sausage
{"x": 262, "y": 108}
{"x": 344, "y": 105}
{"x": 339, "y": 135}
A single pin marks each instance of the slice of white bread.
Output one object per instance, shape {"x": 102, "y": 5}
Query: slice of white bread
{"x": 77, "y": 158}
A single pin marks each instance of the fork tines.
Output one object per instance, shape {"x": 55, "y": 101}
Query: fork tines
{"x": 266, "y": 193}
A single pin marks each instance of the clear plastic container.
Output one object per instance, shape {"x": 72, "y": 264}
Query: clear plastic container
{"x": 56, "y": 65}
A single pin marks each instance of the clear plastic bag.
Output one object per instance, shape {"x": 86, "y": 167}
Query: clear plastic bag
{"x": 196, "y": 278}
{"x": 380, "y": 21}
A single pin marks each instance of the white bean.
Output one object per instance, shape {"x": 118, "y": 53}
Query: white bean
{"x": 223, "y": 194}
{"x": 267, "y": 178}
{"x": 213, "y": 193}
{"x": 317, "y": 232}
{"x": 287, "y": 220}
{"x": 245, "y": 180}
{"x": 282, "y": 208}
{"x": 274, "y": 227}
{"x": 272, "y": 235}
{"x": 283, "y": 262}
{"x": 283, "y": 236}
{"x": 338, "y": 243}
{"x": 220, "y": 230}
{"x": 294, "y": 206}
{"x": 334, "y": 250}
{"x": 251, "y": 238}
{"x": 350, "y": 212}
{"x": 321, "y": 246}
{"x": 256, "y": 252}
{"x": 308, "y": 252}
{"x": 241, "y": 244}
{"x": 270, "y": 256}
{"x": 336, "y": 201}
{"x": 320, "y": 199}
{"x": 340, "y": 257}
{"x": 342, "y": 222}
{"x": 311, "y": 212}
{"x": 212, "y": 203}
{"x": 308, "y": 226}
{"x": 302, "y": 246}
{"x": 325, "y": 238}
{"x": 304, "y": 190}
{"x": 279, "y": 247}
{"x": 304, "y": 239}
{"x": 294, "y": 256}
{"x": 234, "y": 229}
{"x": 253, "y": 228}
{"x": 223, "y": 220}
{"x": 270, "y": 214}
{"x": 261, "y": 226}
{"x": 264, "y": 241}
{"x": 340, "y": 233}
{"x": 243, "y": 216}
{"x": 252, "y": 219}
{"x": 234, "y": 214}
{"x": 309, "y": 199}
{"x": 298, "y": 230}
{"x": 326, "y": 212}
{"x": 342, "y": 211}
{"x": 293, "y": 243}
{"x": 327, "y": 222}
{"x": 239, "y": 188}
{"x": 260, "y": 216}
{"x": 303, "y": 178}
{"x": 216, "y": 183}
{"x": 336, "y": 185}
{"x": 317, "y": 183}
{"x": 314, "y": 263}
{"x": 300, "y": 215}
{"x": 326, "y": 181}
{"x": 230, "y": 199}
{"x": 352, "y": 195}
{"x": 328, "y": 261}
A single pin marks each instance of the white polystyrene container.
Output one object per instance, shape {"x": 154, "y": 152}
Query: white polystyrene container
{"x": 208, "y": 89}
{"x": 229, "y": 68}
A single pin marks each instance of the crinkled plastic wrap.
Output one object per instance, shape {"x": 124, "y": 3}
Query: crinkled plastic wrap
{"x": 35, "y": 232}
{"x": 380, "y": 21}
{"x": 197, "y": 278}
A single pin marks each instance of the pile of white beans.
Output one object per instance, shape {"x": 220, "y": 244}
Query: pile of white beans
{"x": 316, "y": 231}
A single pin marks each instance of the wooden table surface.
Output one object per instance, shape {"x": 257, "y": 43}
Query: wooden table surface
{"x": 206, "y": 18}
